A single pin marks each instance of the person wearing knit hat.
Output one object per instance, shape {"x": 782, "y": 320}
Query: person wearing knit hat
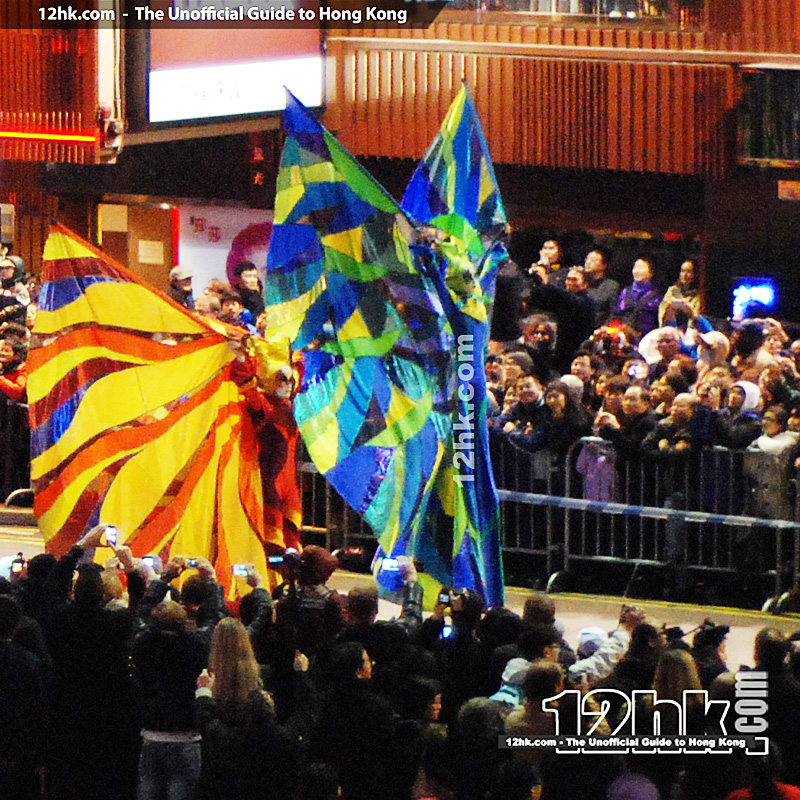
{"x": 510, "y": 691}
{"x": 633, "y": 786}
{"x": 180, "y": 273}
{"x": 516, "y": 364}
{"x": 575, "y": 386}
{"x": 601, "y": 663}
{"x": 309, "y": 613}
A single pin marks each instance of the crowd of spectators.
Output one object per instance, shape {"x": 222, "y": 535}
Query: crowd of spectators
{"x": 240, "y": 304}
{"x": 574, "y": 355}
{"x": 130, "y": 680}
{"x": 19, "y": 296}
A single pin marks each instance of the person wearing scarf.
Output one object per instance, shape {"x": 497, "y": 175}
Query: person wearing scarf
{"x": 638, "y": 303}
{"x": 14, "y": 375}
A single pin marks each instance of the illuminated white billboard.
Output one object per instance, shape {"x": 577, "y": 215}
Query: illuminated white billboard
{"x": 237, "y": 67}
{"x": 225, "y": 90}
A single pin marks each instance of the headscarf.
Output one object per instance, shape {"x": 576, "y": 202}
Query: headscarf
{"x": 752, "y": 395}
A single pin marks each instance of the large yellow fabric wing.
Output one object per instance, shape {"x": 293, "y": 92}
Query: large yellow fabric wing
{"x": 134, "y": 418}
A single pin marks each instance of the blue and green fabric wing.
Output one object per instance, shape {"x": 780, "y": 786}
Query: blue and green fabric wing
{"x": 455, "y": 192}
{"x": 343, "y": 285}
{"x": 378, "y": 313}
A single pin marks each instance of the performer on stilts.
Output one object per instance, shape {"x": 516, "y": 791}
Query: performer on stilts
{"x": 269, "y": 403}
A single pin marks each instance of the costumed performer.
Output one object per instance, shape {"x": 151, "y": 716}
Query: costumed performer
{"x": 268, "y": 393}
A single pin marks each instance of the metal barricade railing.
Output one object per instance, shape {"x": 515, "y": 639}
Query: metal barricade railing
{"x": 675, "y": 552}
{"x": 719, "y": 511}
{"x": 325, "y": 513}
{"x": 526, "y": 529}
{"x": 716, "y": 479}
{"x": 715, "y": 511}
{"x": 15, "y": 448}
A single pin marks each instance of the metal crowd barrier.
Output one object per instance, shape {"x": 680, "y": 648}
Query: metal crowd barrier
{"x": 326, "y": 517}
{"x": 15, "y": 448}
{"x": 723, "y": 512}
{"x": 529, "y": 530}
{"x": 720, "y": 511}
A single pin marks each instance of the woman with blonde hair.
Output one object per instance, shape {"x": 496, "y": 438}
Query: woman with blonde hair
{"x": 235, "y": 674}
{"x": 246, "y": 753}
{"x": 678, "y": 679}
{"x": 676, "y": 674}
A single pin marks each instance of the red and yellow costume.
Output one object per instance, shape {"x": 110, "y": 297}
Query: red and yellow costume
{"x": 277, "y": 435}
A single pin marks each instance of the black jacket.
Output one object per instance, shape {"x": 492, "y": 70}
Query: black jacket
{"x": 355, "y": 733}
{"x": 248, "y": 756}
{"x": 166, "y": 664}
{"x": 628, "y": 438}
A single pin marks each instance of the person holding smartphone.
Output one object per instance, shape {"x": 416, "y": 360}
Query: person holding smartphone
{"x": 629, "y": 428}
{"x": 92, "y": 702}
{"x": 461, "y": 667}
{"x": 247, "y": 754}
{"x": 551, "y": 263}
{"x": 310, "y": 613}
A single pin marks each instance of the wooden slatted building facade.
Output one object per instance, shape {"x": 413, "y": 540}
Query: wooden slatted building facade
{"x": 48, "y": 110}
{"x": 647, "y": 109}
{"x": 556, "y": 94}
{"x": 578, "y": 113}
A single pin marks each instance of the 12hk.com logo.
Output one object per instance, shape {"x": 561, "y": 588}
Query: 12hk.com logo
{"x": 647, "y": 724}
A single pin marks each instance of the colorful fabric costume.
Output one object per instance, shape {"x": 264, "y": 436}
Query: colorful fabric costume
{"x": 455, "y": 191}
{"x": 135, "y": 419}
{"x": 277, "y": 435}
{"x": 377, "y": 306}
